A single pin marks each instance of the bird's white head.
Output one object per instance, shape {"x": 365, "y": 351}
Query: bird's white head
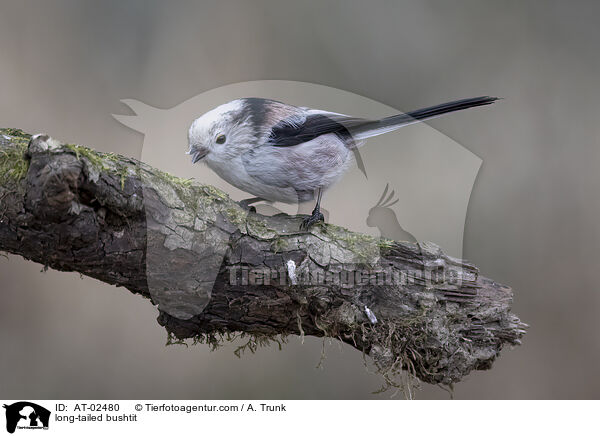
{"x": 222, "y": 133}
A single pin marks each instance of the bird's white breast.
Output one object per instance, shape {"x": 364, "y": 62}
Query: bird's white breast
{"x": 234, "y": 172}
{"x": 286, "y": 174}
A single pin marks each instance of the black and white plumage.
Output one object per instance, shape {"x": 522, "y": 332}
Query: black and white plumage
{"x": 280, "y": 152}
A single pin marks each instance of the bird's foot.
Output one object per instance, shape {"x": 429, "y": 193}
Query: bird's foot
{"x": 310, "y": 221}
{"x": 247, "y": 203}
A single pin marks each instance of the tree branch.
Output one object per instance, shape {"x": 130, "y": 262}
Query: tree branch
{"x": 214, "y": 269}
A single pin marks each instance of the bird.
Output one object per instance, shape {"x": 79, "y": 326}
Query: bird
{"x": 384, "y": 218}
{"x": 292, "y": 154}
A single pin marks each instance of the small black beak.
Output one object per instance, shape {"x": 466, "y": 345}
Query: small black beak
{"x": 197, "y": 154}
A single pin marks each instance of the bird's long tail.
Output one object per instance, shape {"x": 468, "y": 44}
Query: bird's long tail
{"x": 389, "y": 124}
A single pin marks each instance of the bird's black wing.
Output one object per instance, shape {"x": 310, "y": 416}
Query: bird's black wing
{"x": 303, "y": 127}
{"x": 297, "y": 129}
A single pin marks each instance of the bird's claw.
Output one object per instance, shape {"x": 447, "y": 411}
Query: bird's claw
{"x": 310, "y": 221}
{"x": 247, "y": 204}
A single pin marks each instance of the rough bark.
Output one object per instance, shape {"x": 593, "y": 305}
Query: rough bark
{"x": 213, "y": 269}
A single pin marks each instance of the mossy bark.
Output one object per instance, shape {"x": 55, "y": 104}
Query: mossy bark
{"x": 187, "y": 248}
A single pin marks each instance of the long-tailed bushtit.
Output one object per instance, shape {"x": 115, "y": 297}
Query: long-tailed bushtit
{"x": 280, "y": 152}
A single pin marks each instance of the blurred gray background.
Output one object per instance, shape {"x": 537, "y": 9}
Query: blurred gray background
{"x": 532, "y": 219}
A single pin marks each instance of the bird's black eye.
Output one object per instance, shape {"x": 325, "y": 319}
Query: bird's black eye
{"x": 221, "y": 139}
